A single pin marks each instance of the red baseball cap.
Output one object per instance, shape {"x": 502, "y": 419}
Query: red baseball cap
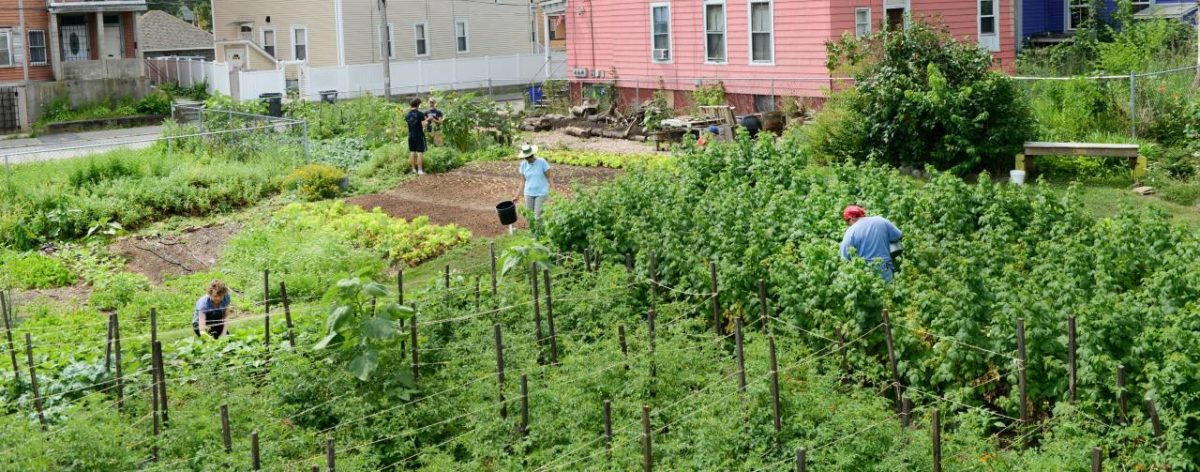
{"x": 853, "y": 211}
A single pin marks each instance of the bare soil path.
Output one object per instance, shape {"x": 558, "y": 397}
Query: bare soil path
{"x": 467, "y": 197}
{"x": 193, "y": 250}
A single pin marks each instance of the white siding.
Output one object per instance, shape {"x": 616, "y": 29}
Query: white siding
{"x": 495, "y": 29}
{"x": 317, "y": 15}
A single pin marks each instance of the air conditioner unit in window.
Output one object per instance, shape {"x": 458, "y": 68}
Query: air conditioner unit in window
{"x": 597, "y": 74}
{"x": 579, "y": 72}
{"x": 662, "y": 54}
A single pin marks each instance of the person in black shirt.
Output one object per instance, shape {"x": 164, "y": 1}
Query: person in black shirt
{"x": 434, "y": 116}
{"x": 416, "y": 136}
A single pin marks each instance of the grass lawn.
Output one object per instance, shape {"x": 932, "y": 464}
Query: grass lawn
{"x": 1104, "y": 201}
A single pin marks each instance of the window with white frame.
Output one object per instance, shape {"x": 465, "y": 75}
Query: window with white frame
{"x": 714, "y": 31}
{"x": 386, "y": 49}
{"x": 1078, "y": 13}
{"x": 37, "y": 47}
{"x": 300, "y": 43}
{"x": 6, "y": 52}
{"x": 268, "y": 41}
{"x": 461, "y": 38}
{"x": 862, "y": 22}
{"x": 660, "y": 32}
{"x": 762, "y": 32}
{"x": 421, "y": 37}
{"x": 987, "y": 17}
{"x": 1139, "y": 5}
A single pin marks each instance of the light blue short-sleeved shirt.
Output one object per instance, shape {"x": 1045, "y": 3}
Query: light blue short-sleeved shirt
{"x": 212, "y": 312}
{"x": 871, "y": 238}
{"x": 536, "y": 183}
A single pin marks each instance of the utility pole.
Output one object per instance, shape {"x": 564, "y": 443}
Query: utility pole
{"x": 387, "y": 52}
{"x": 25, "y": 42}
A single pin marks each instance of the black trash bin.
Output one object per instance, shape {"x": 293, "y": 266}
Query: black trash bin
{"x": 274, "y": 103}
{"x": 508, "y": 212}
{"x": 329, "y": 96}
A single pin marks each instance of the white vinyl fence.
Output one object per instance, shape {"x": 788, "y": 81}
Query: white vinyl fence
{"x": 357, "y": 80}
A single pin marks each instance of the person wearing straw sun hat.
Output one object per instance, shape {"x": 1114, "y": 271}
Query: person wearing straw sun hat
{"x": 535, "y": 179}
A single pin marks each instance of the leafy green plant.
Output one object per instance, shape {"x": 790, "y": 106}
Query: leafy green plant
{"x": 474, "y": 121}
{"x": 342, "y": 152}
{"x": 33, "y": 270}
{"x": 360, "y": 326}
{"x": 315, "y": 181}
{"x": 396, "y": 239}
{"x": 710, "y": 94}
{"x": 603, "y": 159}
{"x": 114, "y": 291}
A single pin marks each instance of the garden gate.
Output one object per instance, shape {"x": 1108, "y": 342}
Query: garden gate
{"x": 8, "y": 110}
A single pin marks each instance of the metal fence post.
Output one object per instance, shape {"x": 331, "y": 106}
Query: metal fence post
{"x": 307, "y": 144}
{"x": 1132, "y": 105}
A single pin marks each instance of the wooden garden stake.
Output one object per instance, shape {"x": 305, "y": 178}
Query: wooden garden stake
{"x": 524, "y": 426}
{"x": 287, "y": 314}
{"x": 329, "y": 455}
{"x": 764, "y": 316}
{"x": 400, "y": 285}
{"x": 1121, "y": 402}
{"x": 587, "y": 261}
{"x": 906, "y": 412}
{"x": 37, "y": 397}
{"x": 629, "y": 262}
{"x": 801, "y": 459}
{"x": 412, "y": 331}
{"x": 254, "y": 462}
{"x": 225, "y": 429}
{"x": 1071, "y": 378}
{"x": 12, "y": 351}
{"x": 537, "y": 310}
{"x": 116, "y": 322}
{"x": 774, "y": 385}
{"x": 647, "y": 455}
{"x": 887, "y": 324}
{"x": 653, "y": 278}
{"x": 153, "y": 325}
{"x": 550, "y": 318}
{"x": 500, "y": 368}
{"x": 1155, "y": 424}
{"x": 1097, "y": 460}
{"x": 477, "y": 282}
{"x": 154, "y": 426}
{"x": 492, "y": 257}
{"x": 621, "y": 340}
{"x": 608, "y": 426}
{"x": 650, "y": 322}
{"x": 716, "y": 302}
{"x": 936, "y": 432}
{"x": 741, "y": 355}
{"x": 161, "y": 371}
{"x": 108, "y": 345}
{"x": 447, "y": 278}
{"x": 1021, "y": 370}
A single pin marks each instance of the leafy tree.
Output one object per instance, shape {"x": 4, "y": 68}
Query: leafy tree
{"x": 923, "y": 97}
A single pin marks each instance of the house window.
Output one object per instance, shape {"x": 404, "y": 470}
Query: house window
{"x": 6, "y": 53}
{"x": 660, "y": 34}
{"x": 1078, "y": 12}
{"x": 862, "y": 22}
{"x": 421, "y": 34}
{"x": 300, "y": 43}
{"x": 1139, "y": 5}
{"x": 385, "y": 45}
{"x": 714, "y": 31}
{"x": 558, "y": 28}
{"x": 987, "y": 17}
{"x": 268, "y": 41}
{"x": 37, "y": 47}
{"x": 460, "y": 36}
{"x": 895, "y": 14}
{"x": 762, "y": 31}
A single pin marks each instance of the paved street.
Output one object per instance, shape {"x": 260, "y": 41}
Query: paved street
{"x": 68, "y": 145}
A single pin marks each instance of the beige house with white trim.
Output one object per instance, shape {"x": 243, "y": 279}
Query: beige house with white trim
{"x": 269, "y": 34}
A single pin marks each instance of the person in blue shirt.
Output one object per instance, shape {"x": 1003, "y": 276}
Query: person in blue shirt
{"x": 535, "y": 180}
{"x": 212, "y": 311}
{"x": 871, "y": 238}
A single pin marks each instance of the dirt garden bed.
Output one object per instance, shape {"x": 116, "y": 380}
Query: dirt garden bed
{"x": 193, "y": 250}
{"x": 467, "y": 197}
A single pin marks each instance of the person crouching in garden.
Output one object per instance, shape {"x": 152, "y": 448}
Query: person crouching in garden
{"x": 871, "y": 238}
{"x": 212, "y": 310}
{"x": 535, "y": 180}
{"x": 416, "y": 121}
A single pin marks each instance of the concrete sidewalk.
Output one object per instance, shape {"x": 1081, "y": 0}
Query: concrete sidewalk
{"x": 68, "y": 145}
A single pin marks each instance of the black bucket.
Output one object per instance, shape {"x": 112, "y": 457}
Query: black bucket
{"x": 508, "y": 212}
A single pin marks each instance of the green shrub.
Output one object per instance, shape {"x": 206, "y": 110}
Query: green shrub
{"x": 101, "y": 169}
{"x": 156, "y": 103}
{"x": 315, "y": 181}
{"x": 709, "y": 94}
{"x": 926, "y": 98}
{"x": 394, "y": 238}
{"x": 444, "y": 159}
{"x": 33, "y": 270}
{"x": 474, "y": 121}
{"x": 310, "y": 261}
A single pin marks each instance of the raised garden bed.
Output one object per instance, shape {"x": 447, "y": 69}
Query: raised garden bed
{"x": 102, "y": 123}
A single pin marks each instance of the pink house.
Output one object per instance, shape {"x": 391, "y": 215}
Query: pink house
{"x": 760, "y": 49}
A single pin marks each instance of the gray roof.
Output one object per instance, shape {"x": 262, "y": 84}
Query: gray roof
{"x": 162, "y": 31}
{"x": 1166, "y": 10}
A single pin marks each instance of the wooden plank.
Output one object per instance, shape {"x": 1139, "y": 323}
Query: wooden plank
{"x": 1081, "y": 149}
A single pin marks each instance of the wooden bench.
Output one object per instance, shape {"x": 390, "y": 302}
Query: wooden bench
{"x": 1128, "y": 151}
